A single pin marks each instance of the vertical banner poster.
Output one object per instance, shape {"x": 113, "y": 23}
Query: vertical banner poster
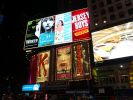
{"x": 33, "y": 69}
{"x": 63, "y": 28}
{"x": 86, "y": 58}
{"x": 46, "y": 36}
{"x": 81, "y": 60}
{"x": 43, "y": 66}
{"x": 80, "y": 24}
{"x": 31, "y": 38}
{"x": 63, "y": 62}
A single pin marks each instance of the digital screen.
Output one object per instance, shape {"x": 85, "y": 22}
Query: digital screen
{"x": 58, "y": 29}
{"x": 114, "y": 42}
{"x": 31, "y": 87}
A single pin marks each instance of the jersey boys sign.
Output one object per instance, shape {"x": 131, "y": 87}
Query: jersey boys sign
{"x": 80, "y": 24}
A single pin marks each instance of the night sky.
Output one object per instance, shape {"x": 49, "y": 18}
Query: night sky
{"x": 14, "y": 65}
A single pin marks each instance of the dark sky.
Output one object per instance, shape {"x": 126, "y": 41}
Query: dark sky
{"x": 12, "y": 33}
{"x": 13, "y": 30}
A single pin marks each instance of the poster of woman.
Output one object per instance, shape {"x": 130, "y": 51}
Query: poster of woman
{"x": 63, "y": 62}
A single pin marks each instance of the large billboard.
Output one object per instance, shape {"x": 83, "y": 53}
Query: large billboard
{"x": 73, "y": 61}
{"x": 114, "y": 42}
{"x": 58, "y": 29}
{"x": 64, "y": 62}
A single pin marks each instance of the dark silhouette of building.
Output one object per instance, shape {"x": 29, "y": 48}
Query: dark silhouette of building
{"x": 105, "y": 13}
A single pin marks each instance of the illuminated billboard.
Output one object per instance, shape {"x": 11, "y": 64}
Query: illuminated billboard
{"x": 114, "y": 42}
{"x": 73, "y": 61}
{"x": 31, "y": 87}
{"x": 39, "y": 67}
{"x": 81, "y": 60}
{"x": 58, "y": 29}
{"x": 63, "y": 62}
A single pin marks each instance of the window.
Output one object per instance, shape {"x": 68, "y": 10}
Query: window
{"x": 96, "y": 22}
{"x": 101, "y": 4}
{"x": 103, "y": 12}
{"x": 109, "y": 1}
{"x": 94, "y": 7}
{"x": 93, "y": 1}
{"x": 112, "y": 17}
{"x": 128, "y": 2}
{"x": 104, "y": 20}
{"x": 116, "y": 0}
{"x": 95, "y": 14}
{"x": 111, "y": 9}
{"x": 119, "y": 6}
{"x": 121, "y": 14}
{"x": 130, "y": 11}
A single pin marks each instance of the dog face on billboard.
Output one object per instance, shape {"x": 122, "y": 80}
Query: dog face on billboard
{"x": 48, "y": 24}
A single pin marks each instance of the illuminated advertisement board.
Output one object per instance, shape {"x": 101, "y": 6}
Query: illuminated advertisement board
{"x": 73, "y": 61}
{"x": 114, "y": 42}
{"x": 63, "y": 62}
{"x": 31, "y": 87}
{"x": 81, "y": 60}
{"x": 58, "y": 29}
{"x": 39, "y": 67}
{"x": 80, "y": 24}
{"x": 63, "y": 32}
{"x": 43, "y": 66}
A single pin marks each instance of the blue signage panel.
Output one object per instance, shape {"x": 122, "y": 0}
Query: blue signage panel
{"x": 32, "y": 87}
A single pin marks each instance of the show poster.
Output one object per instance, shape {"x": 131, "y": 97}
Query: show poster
{"x": 33, "y": 69}
{"x": 31, "y": 38}
{"x": 81, "y": 62}
{"x": 47, "y": 33}
{"x": 80, "y": 24}
{"x": 63, "y": 28}
{"x": 86, "y": 57}
{"x": 77, "y": 61}
{"x": 63, "y": 62}
{"x": 43, "y": 66}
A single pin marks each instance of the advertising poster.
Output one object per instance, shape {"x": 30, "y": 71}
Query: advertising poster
{"x": 81, "y": 60}
{"x": 31, "y": 38}
{"x": 33, "y": 69}
{"x": 63, "y": 29}
{"x": 77, "y": 61}
{"x": 80, "y": 24}
{"x": 47, "y": 33}
{"x": 63, "y": 62}
{"x": 43, "y": 66}
{"x": 113, "y": 43}
{"x": 86, "y": 57}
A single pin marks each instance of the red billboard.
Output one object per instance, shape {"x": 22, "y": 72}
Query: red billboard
{"x": 80, "y": 24}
